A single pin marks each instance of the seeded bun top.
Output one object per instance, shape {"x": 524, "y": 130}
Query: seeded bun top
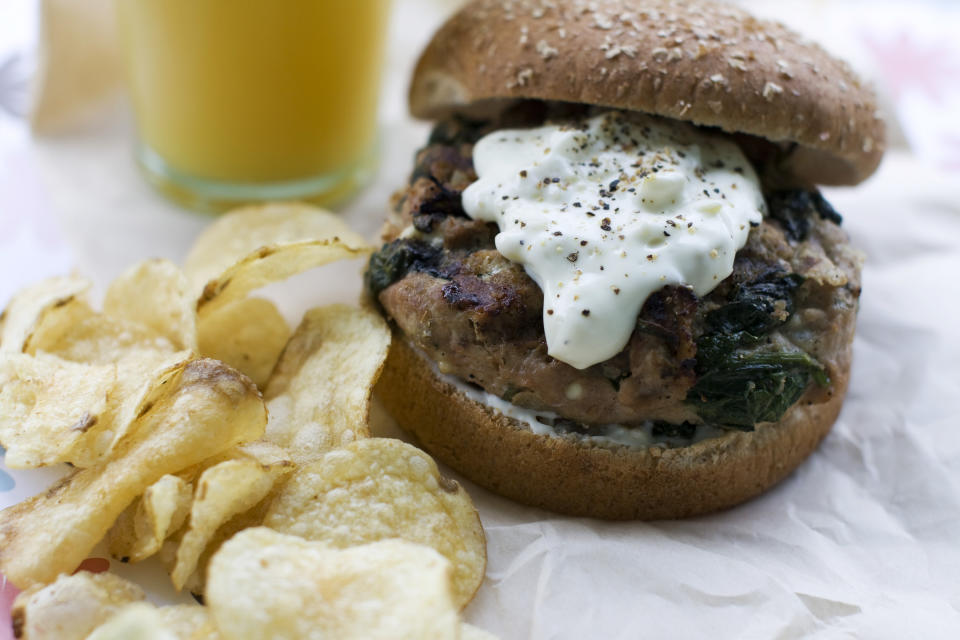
{"x": 712, "y": 64}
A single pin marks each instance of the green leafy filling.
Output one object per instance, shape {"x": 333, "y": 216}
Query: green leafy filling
{"x": 752, "y": 307}
{"x": 394, "y": 260}
{"x": 750, "y": 388}
{"x": 740, "y": 380}
{"x": 794, "y": 210}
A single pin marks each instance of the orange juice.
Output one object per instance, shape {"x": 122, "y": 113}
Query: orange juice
{"x": 254, "y": 92}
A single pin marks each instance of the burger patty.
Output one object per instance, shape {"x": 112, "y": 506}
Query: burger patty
{"x": 772, "y": 334}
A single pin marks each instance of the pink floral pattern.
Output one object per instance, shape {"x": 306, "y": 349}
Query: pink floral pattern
{"x": 909, "y": 63}
{"x": 8, "y": 594}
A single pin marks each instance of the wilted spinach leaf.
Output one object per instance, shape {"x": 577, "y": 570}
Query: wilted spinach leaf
{"x": 751, "y": 306}
{"x": 752, "y": 388}
{"x": 395, "y": 259}
{"x": 714, "y": 349}
{"x": 793, "y": 208}
{"x": 736, "y": 387}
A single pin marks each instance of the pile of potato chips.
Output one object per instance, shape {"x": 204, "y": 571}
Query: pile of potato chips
{"x": 203, "y": 432}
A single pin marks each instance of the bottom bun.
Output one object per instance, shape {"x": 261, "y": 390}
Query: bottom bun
{"x": 572, "y": 476}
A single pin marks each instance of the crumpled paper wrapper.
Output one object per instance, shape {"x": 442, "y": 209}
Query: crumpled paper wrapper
{"x": 860, "y": 542}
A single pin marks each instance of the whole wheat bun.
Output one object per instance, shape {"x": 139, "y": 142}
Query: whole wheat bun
{"x": 570, "y": 476}
{"x": 711, "y": 64}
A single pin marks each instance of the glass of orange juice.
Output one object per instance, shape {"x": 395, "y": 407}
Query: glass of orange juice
{"x": 246, "y": 100}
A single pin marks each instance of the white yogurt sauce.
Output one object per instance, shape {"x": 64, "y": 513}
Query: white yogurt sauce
{"x": 605, "y": 211}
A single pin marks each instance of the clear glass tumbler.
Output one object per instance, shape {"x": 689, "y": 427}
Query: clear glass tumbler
{"x": 240, "y": 101}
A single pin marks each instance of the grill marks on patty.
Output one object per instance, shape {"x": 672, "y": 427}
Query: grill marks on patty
{"x": 442, "y": 172}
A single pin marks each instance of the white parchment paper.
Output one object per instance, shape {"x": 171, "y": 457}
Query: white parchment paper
{"x": 863, "y": 541}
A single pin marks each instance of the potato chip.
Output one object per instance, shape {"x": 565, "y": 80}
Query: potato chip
{"x": 47, "y": 405}
{"x": 153, "y": 293}
{"x": 223, "y": 491}
{"x": 319, "y": 394}
{"x": 141, "y": 377}
{"x": 382, "y": 488}
{"x": 248, "y": 334}
{"x": 73, "y": 331}
{"x": 140, "y": 530}
{"x": 208, "y": 408}
{"x": 53, "y": 411}
{"x": 264, "y": 452}
{"x": 28, "y": 307}
{"x": 237, "y": 234}
{"x": 470, "y": 632}
{"x": 273, "y": 264}
{"x": 253, "y": 517}
{"x": 189, "y": 622}
{"x": 143, "y": 621}
{"x": 264, "y": 584}
{"x": 139, "y": 621}
{"x": 71, "y": 607}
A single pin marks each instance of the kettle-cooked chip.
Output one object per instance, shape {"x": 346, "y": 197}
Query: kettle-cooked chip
{"x": 143, "y": 621}
{"x": 142, "y": 359}
{"x": 208, "y": 408}
{"x": 189, "y": 622}
{"x": 71, "y": 607}
{"x": 141, "y": 377}
{"x": 47, "y": 405}
{"x": 253, "y": 246}
{"x": 382, "y": 488}
{"x": 138, "y": 621}
{"x": 470, "y": 632}
{"x": 253, "y": 517}
{"x": 319, "y": 394}
{"x": 141, "y": 529}
{"x": 248, "y": 334}
{"x": 273, "y": 264}
{"x": 53, "y": 410}
{"x": 264, "y": 584}
{"x": 154, "y": 293}
{"x": 237, "y": 234}
{"x": 266, "y": 454}
{"x": 28, "y": 307}
{"x": 73, "y": 331}
{"x": 223, "y": 491}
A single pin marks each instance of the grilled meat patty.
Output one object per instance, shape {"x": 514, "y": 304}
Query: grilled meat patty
{"x": 769, "y": 336}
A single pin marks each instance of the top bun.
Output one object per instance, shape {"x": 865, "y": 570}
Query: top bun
{"x": 708, "y": 63}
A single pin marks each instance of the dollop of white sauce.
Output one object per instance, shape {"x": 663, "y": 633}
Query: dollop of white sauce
{"x": 604, "y": 211}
